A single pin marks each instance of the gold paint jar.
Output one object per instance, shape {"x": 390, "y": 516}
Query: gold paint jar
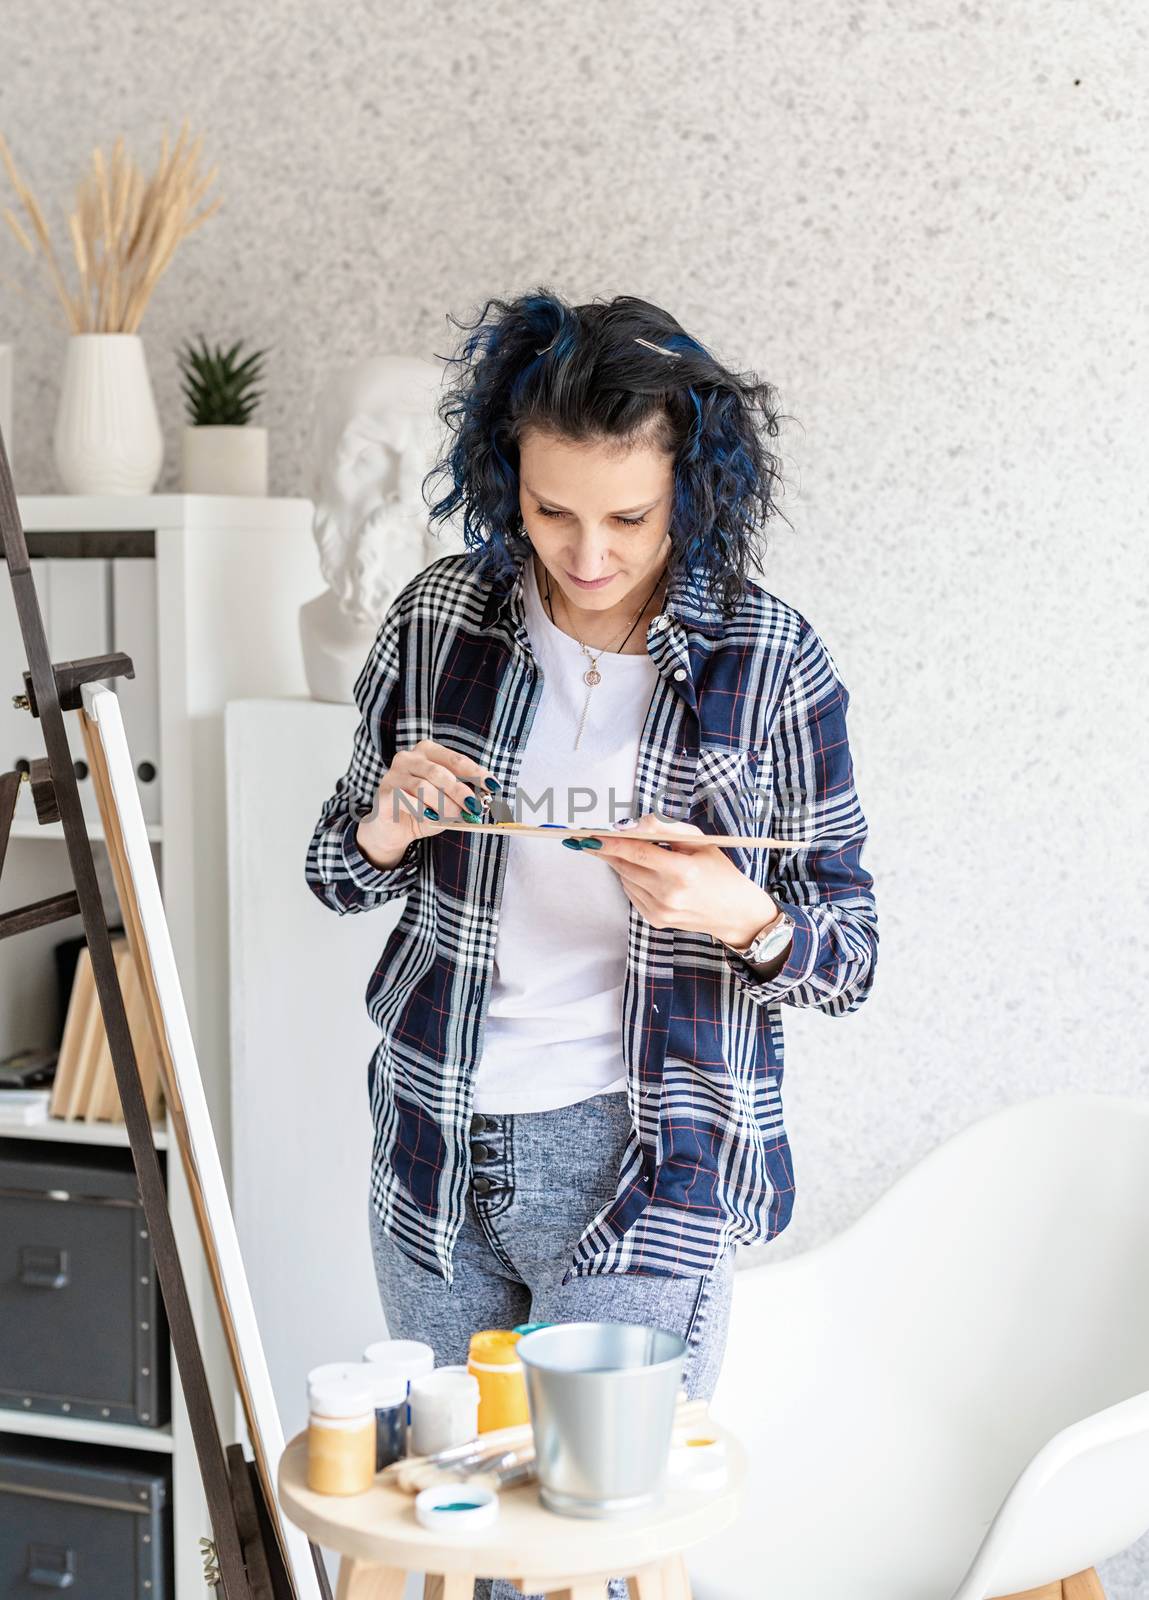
{"x": 341, "y": 1428}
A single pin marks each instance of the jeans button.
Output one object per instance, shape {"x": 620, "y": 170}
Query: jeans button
{"x": 482, "y": 1184}
{"x": 480, "y": 1123}
{"x": 482, "y": 1152}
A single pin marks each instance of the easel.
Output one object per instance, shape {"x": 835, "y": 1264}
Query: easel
{"x": 243, "y": 1561}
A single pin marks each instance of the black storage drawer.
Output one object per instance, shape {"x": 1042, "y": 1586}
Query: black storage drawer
{"x": 83, "y": 1332}
{"x": 91, "y": 1519}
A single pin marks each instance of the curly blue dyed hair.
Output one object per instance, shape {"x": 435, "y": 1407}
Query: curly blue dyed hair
{"x": 580, "y": 372}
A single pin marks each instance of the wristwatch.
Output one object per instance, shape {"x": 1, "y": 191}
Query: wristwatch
{"x": 772, "y": 940}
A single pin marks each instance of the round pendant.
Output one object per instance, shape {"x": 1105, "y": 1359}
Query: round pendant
{"x": 592, "y": 677}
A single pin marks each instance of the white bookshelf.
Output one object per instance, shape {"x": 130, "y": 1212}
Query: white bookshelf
{"x": 72, "y": 1131}
{"x": 231, "y": 573}
{"x": 38, "y": 1424}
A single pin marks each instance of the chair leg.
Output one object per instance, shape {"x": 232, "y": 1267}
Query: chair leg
{"x": 366, "y": 1580}
{"x": 447, "y": 1586}
{"x": 1083, "y": 1586}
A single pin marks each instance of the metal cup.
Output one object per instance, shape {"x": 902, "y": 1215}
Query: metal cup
{"x": 602, "y": 1399}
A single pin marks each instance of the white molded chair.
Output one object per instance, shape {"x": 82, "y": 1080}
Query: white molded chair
{"x": 949, "y": 1400}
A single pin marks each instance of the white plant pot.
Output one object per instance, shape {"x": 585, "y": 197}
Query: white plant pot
{"x": 108, "y": 438}
{"x": 225, "y": 460}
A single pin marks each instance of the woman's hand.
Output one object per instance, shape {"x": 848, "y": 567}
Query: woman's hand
{"x": 428, "y": 775}
{"x": 692, "y": 886}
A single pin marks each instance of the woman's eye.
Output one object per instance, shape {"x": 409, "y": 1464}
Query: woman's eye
{"x": 627, "y": 522}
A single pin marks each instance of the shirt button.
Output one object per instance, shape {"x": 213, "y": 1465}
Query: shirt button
{"x": 680, "y": 674}
{"x": 660, "y": 622}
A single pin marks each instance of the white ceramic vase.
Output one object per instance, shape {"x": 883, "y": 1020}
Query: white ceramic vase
{"x": 108, "y": 438}
{"x": 225, "y": 460}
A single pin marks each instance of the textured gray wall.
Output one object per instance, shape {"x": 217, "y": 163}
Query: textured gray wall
{"x": 927, "y": 226}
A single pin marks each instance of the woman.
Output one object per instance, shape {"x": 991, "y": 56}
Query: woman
{"x": 576, "y": 1095}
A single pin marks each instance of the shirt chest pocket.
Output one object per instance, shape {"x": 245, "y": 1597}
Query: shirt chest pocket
{"x": 730, "y": 792}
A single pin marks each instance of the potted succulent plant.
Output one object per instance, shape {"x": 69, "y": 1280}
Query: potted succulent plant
{"x": 222, "y": 453}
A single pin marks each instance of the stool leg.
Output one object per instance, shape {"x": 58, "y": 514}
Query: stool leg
{"x": 675, "y": 1578}
{"x": 648, "y": 1583}
{"x": 448, "y": 1586}
{"x": 366, "y": 1580}
{"x": 564, "y": 1588}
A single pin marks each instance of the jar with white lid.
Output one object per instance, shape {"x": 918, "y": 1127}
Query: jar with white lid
{"x": 341, "y": 1428}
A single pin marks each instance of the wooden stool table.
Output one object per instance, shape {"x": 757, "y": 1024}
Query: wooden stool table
{"x": 566, "y": 1558}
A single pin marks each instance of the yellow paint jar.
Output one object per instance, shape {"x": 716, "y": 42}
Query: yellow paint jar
{"x": 340, "y": 1429}
{"x": 494, "y": 1361}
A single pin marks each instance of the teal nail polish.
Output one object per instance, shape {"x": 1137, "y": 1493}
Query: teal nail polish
{"x": 573, "y": 844}
{"x": 493, "y": 785}
{"x": 472, "y": 807}
{"x": 592, "y": 844}
{"x": 427, "y": 812}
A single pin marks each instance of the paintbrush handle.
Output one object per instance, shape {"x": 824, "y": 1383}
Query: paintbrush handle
{"x": 534, "y": 830}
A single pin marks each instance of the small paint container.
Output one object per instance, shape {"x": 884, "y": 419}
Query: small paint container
{"x": 698, "y": 1462}
{"x": 529, "y": 1327}
{"x": 410, "y": 1357}
{"x": 340, "y": 1428}
{"x": 456, "y": 1507}
{"x": 494, "y": 1360}
{"x": 444, "y": 1410}
{"x": 391, "y": 1431}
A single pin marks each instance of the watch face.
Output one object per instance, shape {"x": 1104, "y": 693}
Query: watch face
{"x": 775, "y": 939}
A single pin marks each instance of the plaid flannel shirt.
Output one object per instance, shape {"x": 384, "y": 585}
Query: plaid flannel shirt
{"x": 745, "y": 733}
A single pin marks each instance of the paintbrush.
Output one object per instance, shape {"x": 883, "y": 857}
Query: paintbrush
{"x": 504, "y": 1455}
{"x": 541, "y": 830}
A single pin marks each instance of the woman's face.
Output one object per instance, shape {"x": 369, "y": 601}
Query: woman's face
{"x": 592, "y": 512}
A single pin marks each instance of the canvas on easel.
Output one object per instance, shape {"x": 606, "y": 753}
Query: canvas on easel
{"x": 146, "y": 928}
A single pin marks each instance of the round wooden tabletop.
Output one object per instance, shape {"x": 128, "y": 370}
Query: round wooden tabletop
{"x": 379, "y": 1525}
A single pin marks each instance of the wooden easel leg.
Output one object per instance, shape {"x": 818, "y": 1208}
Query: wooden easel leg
{"x": 367, "y": 1580}
{"x": 447, "y": 1586}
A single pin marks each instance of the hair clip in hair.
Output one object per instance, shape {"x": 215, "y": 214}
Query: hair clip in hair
{"x": 658, "y": 347}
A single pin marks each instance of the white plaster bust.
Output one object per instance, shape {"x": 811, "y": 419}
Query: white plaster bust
{"x": 375, "y": 437}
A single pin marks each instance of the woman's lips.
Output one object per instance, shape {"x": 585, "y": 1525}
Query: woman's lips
{"x": 597, "y": 583}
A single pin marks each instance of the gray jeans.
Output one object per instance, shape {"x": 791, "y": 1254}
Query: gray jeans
{"x": 550, "y": 1173}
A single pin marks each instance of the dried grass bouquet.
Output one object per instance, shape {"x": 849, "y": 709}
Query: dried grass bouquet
{"x": 124, "y": 231}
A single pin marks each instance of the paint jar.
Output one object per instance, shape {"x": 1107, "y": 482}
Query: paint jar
{"x": 444, "y": 1410}
{"x": 529, "y": 1327}
{"x": 340, "y": 1428}
{"x": 493, "y": 1358}
{"x": 408, "y": 1357}
{"x": 391, "y": 1430}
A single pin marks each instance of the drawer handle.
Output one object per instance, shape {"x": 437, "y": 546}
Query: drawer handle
{"x": 51, "y": 1566}
{"x": 43, "y": 1269}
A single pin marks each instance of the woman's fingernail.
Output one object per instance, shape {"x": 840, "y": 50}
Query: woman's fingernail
{"x": 427, "y": 812}
{"x": 573, "y": 844}
{"x": 592, "y": 844}
{"x": 472, "y": 806}
{"x": 493, "y": 785}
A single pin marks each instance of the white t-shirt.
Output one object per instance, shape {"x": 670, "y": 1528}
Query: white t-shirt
{"x": 553, "y": 1031}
